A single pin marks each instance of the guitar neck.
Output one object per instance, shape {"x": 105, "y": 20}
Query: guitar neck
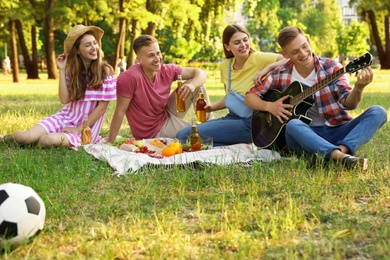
{"x": 319, "y": 85}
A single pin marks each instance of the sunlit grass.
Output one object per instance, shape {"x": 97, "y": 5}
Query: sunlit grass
{"x": 277, "y": 210}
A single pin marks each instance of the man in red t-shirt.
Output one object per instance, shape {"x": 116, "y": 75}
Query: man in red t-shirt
{"x": 144, "y": 94}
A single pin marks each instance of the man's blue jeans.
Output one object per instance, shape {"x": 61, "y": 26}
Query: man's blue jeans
{"x": 322, "y": 140}
{"x": 226, "y": 130}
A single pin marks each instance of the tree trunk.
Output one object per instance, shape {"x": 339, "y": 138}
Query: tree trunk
{"x": 151, "y": 29}
{"x": 31, "y": 70}
{"x": 34, "y": 48}
{"x": 14, "y": 52}
{"x": 131, "y": 54}
{"x": 120, "y": 46}
{"x": 122, "y": 37}
{"x": 34, "y": 61}
{"x": 49, "y": 42}
{"x": 382, "y": 53}
{"x": 386, "y": 66}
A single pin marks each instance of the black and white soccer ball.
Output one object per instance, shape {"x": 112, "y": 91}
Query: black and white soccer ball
{"x": 22, "y": 213}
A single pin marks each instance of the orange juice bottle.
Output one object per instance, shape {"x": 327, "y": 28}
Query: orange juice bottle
{"x": 200, "y": 108}
{"x": 86, "y": 132}
{"x": 195, "y": 139}
{"x": 180, "y": 104}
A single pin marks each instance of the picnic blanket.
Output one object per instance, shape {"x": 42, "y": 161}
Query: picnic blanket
{"x": 124, "y": 162}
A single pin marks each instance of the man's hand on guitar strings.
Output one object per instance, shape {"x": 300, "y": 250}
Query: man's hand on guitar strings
{"x": 364, "y": 77}
{"x": 280, "y": 110}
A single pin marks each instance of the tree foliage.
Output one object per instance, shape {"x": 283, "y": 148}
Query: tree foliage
{"x": 319, "y": 19}
{"x": 377, "y": 14}
{"x": 191, "y": 30}
{"x": 263, "y": 22}
{"x": 352, "y": 40}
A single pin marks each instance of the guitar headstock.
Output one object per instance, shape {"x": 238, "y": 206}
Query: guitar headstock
{"x": 359, "y": 63}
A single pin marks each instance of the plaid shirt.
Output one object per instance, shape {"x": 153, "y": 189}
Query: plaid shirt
{"x": 330, "y": 100}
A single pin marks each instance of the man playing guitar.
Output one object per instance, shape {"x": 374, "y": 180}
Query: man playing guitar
{"x": 331, "y": 132}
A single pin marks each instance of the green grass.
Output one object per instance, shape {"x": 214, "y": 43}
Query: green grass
{"x": 268, "y": 210}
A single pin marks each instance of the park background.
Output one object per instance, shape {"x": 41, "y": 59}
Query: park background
{"x": 33, "y": 31}
{"x": 277, "y": 210}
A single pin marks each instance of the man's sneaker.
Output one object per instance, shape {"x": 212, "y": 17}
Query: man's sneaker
{"x": 351, "y": 162}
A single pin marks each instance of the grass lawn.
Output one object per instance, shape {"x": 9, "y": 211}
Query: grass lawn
{"x": 268, "y": 210}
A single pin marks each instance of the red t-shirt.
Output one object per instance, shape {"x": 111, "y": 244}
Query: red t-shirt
{"x": 147, "y": 112}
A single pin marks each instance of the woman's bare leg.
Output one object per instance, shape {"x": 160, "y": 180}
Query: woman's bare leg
{"x": 29, "y": 136}
{"x": 54, "y": 139}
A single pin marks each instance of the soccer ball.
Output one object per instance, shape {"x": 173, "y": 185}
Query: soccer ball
{"x": 22, "y": 213}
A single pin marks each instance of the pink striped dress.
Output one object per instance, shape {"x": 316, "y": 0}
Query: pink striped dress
{"x": 72, "y": 114}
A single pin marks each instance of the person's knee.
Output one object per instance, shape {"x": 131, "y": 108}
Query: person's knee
{"x": 293, "y": 125}
{"x": 51, "y": 140}
{"x": 45, "y": 141}
{"x": 182, "y": 134}
{"x": 376, "y": 116}
{"x": 380, "y": 113}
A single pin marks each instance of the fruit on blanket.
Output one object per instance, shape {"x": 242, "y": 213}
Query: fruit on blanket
{"x": 129, "y": 141}
{"x": 157, "y": 143}
{"x": 176, "y": 146}
{"x": 168, "y": 151}
{"x": 144, "y": 149}
{"x": 128, "y": 147}
{"x": 138, "y": 143}
{"x": 121, "y": 140}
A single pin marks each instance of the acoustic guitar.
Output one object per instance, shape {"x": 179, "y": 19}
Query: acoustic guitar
{"x": 268, "y": 132}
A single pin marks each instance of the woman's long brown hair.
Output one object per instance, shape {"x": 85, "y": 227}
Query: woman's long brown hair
{"x": 80, "y": 78}
{"x": 227, "y": 35}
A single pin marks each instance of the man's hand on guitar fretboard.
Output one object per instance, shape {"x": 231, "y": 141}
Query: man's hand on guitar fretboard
{"x": 364, "y": 77}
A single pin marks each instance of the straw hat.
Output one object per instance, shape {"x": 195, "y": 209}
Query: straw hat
{"x": 79, "y": 30}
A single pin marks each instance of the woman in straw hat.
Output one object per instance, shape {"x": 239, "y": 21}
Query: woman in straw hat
{"x": 86, "y": 86}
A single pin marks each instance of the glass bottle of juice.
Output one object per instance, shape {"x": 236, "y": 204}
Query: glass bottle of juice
{"x": 180, "y": 104}
{"x": 86, "y": 132}
{"x": 195, "y": 139}
{"x": 200, "y": 108}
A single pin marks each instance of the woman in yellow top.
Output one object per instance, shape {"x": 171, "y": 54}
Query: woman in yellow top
{"x": 247, "y": 67}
